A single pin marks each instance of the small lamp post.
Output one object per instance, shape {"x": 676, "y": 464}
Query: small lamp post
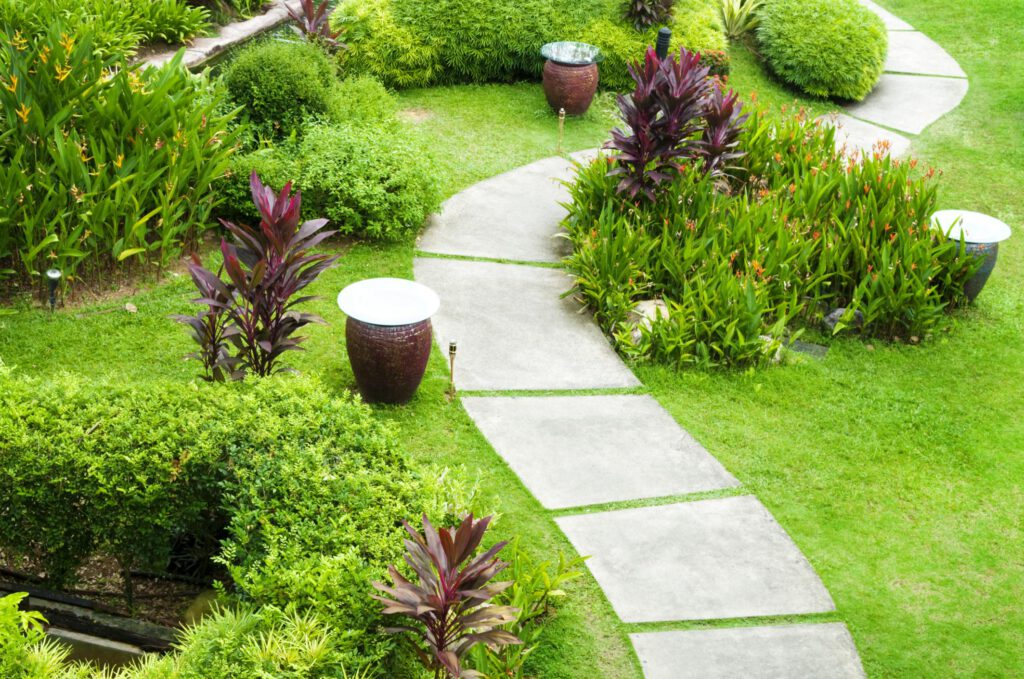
{"x": 453, "y": 347}
{"x": 664, "y": 38}
{"x": 53, "y": 277}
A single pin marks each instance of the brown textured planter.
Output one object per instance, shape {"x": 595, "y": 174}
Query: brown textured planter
{"x": 570, "y": 87}
{"x": 570, "y": 75}
{"x": 388, "y": 360}
{"x": 388, "y": 335}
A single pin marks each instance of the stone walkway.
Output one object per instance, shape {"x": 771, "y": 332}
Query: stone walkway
{"x": 592, "y": 457}
{"x": 718, "y": 557}
{"x": 921, "y": 83}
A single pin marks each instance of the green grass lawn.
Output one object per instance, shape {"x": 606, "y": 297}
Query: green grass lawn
{"x": 896, "y": 469}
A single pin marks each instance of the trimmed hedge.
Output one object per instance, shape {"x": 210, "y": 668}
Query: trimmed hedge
{"x": 417, "y": 43}
{"x": 828, "y": 48}
{"x": 308, "y": 488}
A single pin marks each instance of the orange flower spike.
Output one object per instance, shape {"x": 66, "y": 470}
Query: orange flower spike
{"x": 67, "y": 42}
{"x": 13, "y": 85}
{"x": 18, "y": 42}
{"x": 62, "y": 72}
{"x": 23, "y": 112}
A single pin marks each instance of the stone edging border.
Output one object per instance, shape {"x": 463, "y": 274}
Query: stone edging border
{"x": 202, "y": 50}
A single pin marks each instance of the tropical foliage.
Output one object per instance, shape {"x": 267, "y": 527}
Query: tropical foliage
{"x": 101, "y": 162}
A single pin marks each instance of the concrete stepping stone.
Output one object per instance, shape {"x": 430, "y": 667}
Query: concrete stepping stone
{"x": 514, "y": 331}
{"x": 581, "y": 450}
{"x": 513, "y": 216}
{"x": 818, "y": 651}
{"x": 703, "y": 560}
{"x": 909, "y": 103}
{"x": 914, "y": 52}
{"x": 861, "y": 136}
{"x": 891, "y": 21}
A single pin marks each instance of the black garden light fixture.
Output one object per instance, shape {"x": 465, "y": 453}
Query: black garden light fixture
{"x": 53, "y": 277}
{"x": 664, "y": 38}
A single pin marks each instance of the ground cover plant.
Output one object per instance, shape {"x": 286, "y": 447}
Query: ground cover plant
{"x": 749, "y": 228}
{"x": 827, "y": 48}
{"x": 411, "y": 43}
{"x": 101, "y": 162}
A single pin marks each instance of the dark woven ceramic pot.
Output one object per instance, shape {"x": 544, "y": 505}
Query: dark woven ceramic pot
{"x": 989, "y": 251}
{"x": 388, "y": 360}
{"x": 570, "y": 87}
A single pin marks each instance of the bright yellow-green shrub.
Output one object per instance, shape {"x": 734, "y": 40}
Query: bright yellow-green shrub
{"x": 416, "y": 43}
{"x": 828, "y": 48}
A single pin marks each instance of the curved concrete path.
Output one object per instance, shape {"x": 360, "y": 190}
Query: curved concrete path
{"x": 672, "y": 535}
{"x": 921, "y": 83}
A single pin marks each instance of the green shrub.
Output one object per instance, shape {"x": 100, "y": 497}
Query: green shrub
{"x": 412, "y": 43}
{"x": 743, "y": 268}
{"x": 362, "y": 99}
{"x": 102, "y": 162}
{"x": 280, "y": 85}
{"x": 369, "y": 181}
{"x": 827, "y": 48}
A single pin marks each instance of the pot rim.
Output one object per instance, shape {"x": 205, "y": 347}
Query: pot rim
{"x": 388, "y": 301}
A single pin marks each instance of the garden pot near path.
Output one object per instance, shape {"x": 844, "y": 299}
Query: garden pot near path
{"x": 570, "y": 75}
{"x": 388, "y": 334}
{"x": 981, "y": 234}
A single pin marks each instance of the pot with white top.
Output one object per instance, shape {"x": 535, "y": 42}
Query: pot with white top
{"x": 388, "y": 334}
{"x": 981, "y": 235}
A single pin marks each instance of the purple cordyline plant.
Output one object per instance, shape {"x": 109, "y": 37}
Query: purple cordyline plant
{"x": 450, "y": 601}
{"x": 675, "y": 112}
{"x": 723, "y": 122}
{"x": 314, "y": 23}
{"x": 254, "y": 309}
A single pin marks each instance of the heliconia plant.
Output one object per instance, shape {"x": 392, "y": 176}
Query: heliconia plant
{"x": 450, "y": 601}
{"x": 254, "y": 309}
{"x": 314, "y": 23}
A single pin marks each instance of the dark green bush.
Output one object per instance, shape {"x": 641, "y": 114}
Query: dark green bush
{"x": 280, "y": 85}
{"x": 415, "y": 43}
{"x": 743, "y": 265}
{"x": 828, "y": 48}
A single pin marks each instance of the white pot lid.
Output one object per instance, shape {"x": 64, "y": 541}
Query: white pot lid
{"x": 974, "y": 227}
{"x": 388, "y": 301}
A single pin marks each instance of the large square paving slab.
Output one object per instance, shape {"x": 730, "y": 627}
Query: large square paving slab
{"x": 807, "y": 651}
{"x": 513, "y": 216}
{"x": 710, "y": 559}
{"x": 581, "y": 450}
{"x": 909, "y": 103}
{"x": 858, "y": 135}
{"x": 514, "y": 331}
{"x": 914, "y": 52}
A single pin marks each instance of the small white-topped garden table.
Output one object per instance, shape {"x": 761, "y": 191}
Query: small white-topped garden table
{"x": 981, "y": 234}
{"x": 388, "y": 334}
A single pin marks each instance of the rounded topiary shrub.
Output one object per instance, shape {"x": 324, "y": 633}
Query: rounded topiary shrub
{"x": 373, "y": 181}
{"x": 280, "y": 85}
{"x": 828, "y": 48}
